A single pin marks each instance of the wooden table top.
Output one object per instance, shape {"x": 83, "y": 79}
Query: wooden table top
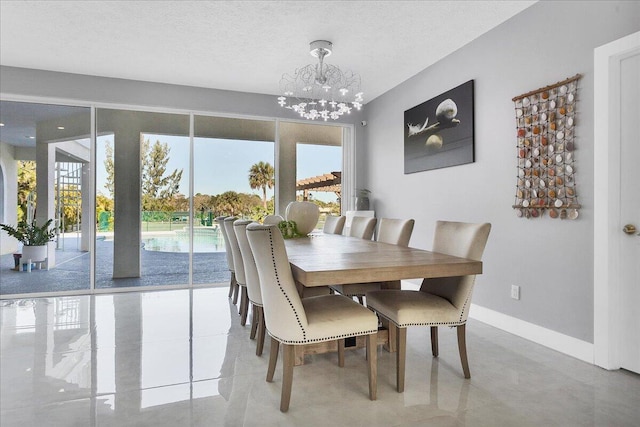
{"x": 329, "y": 259}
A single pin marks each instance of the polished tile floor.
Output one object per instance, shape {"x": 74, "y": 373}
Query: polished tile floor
{"x": 180, "y": 358}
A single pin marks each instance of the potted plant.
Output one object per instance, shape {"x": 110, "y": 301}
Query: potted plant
{"x": 34, "y": 238}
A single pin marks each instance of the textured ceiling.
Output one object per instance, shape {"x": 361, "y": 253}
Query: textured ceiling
{"x": 241, "y": 45}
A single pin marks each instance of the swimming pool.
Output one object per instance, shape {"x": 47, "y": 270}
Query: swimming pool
{"x": 204, "y": 240}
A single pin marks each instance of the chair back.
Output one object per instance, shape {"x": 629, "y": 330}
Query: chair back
{"x": 362, "y": 227}
{"x": 272, "y": 219}
{"x": 463, "y": 240}
{"x": 250, "y": 269}
{"x": 283, "y": 311}
{"x": 333, "y": 224}
{"x": 220, "y": 221}
{"x": 395, "y": 231}
{"x": 233, "y": 249}
{"x": 229, "y": 235}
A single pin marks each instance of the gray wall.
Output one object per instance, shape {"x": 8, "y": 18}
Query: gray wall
{"x": 550, "y": 259}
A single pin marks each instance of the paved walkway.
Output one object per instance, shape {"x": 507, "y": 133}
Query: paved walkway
{"x": 72, "y": 270}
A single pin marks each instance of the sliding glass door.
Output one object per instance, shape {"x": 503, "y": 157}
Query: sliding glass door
{"x": 133, "y": 195}
{"x": 234, "y": 175}
{"x": 45, "y": 175}
{"x": 142, "y": 204}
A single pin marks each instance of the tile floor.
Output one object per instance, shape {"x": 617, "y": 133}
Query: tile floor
{"x": 180, "y": 358}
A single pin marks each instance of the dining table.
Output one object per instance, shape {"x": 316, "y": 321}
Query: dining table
{"x": 331, "y": 259}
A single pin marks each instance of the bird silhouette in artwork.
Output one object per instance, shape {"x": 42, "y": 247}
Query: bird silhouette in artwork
{"x": 446, "y": 118}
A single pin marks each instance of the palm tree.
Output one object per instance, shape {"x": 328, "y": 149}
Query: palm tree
{"x": 261, "y": 175}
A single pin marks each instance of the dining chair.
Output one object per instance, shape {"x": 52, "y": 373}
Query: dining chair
{"x": 238, "y": 268}
{"x": 272, "y": 219}
{"x": 440, "y": 301}
{"x": 349, "y": 215}
{"x": 362, "y": 227}
{"x": 392, "y": 231}
{"x": 233, "y": 284}
{"x": 333, "y": 224}
{"x": 293, "y": 321}
{"x": 253, "y": 285}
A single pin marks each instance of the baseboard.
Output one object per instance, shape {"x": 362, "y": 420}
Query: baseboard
{"x": 574, "y": 347}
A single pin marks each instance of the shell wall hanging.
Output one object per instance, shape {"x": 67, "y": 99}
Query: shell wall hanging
{"x": 546, "y": 171}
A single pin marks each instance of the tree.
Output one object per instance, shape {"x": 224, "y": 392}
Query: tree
{"x": 157, "y": 188}
{"x": 227, "y": 203}
{"x": 261, "y": 175}
{"x": 108, "y": 167}
{"x": 26, "y": 187}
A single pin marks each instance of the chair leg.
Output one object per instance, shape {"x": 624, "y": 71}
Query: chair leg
{"x": 236, "y": 288}
{"x": 372, "y": 358}
{"x": 254, "y": 322}
{"x": 231, "y": 286}
{"x": 287, "y": 376}
{"x": 244, "y": 305}
{"x": 462, "y": 348}
{"x": 401, "y": 350}
{"x": 341, "y": 353}
{"x": 434, "y": 341}
{"x": 261, "y": 331}
{"x": 273, "y": 359}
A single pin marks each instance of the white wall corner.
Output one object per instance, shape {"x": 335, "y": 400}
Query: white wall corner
{"x": 570, "y": 346}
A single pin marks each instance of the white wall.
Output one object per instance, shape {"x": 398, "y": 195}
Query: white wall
{"x": 550, "y": 259}
{"x": 9, "y": 170}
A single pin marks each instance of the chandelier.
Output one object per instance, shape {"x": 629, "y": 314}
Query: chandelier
{"x": 320, "y": 91}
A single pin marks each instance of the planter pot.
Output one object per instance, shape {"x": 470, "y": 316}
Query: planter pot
{"x": 34, "y": 253}
{"x": 305, "y": 215}
{"x": 362, "y": 203}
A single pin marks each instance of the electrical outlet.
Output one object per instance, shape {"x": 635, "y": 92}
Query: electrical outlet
{"x": 515, "y": 291}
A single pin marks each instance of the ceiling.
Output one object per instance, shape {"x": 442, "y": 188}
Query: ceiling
{"x": 241, "y": 45}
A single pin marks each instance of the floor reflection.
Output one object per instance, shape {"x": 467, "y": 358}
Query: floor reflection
{"x": 180, "y": 358}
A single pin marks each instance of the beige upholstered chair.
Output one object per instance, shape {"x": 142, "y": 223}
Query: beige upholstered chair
{"x": 362, "y": 227}
{"x": 272, "y": 219}
{"x": 440, "y": 301}
{"x": 233, "y": 284}
{"x": 238, "y": 268}
{"x": 253, "y": 285}
{"x": 392, "y": 231}
{"x": 333, "y": 224}
{"x": 294, "y": 321}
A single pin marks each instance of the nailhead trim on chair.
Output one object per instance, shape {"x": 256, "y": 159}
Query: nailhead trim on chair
{"x": 304, "y": 332}
{"x": 458, "y": 323}
{"x": 331, "y": 338}
{"x": 275, "y": 269}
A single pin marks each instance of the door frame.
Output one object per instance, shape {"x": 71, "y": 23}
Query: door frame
{"x": 607, "y": 331}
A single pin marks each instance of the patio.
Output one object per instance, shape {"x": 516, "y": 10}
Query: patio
{"x": 72, "y": 270}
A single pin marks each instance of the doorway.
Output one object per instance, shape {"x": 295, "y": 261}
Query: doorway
{"x": 616, "y": 197}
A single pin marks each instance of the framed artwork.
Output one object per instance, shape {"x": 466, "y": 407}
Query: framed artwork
{"x": 439, "y": 132}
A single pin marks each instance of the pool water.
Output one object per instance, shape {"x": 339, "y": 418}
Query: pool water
{"x": 204, "y": 240}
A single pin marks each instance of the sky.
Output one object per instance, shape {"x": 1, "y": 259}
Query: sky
{"x": 221, "y": 165}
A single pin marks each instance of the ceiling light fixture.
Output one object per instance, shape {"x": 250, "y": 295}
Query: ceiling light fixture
{"x": 60, "y": 127}
{"x": 321, "y": 91}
